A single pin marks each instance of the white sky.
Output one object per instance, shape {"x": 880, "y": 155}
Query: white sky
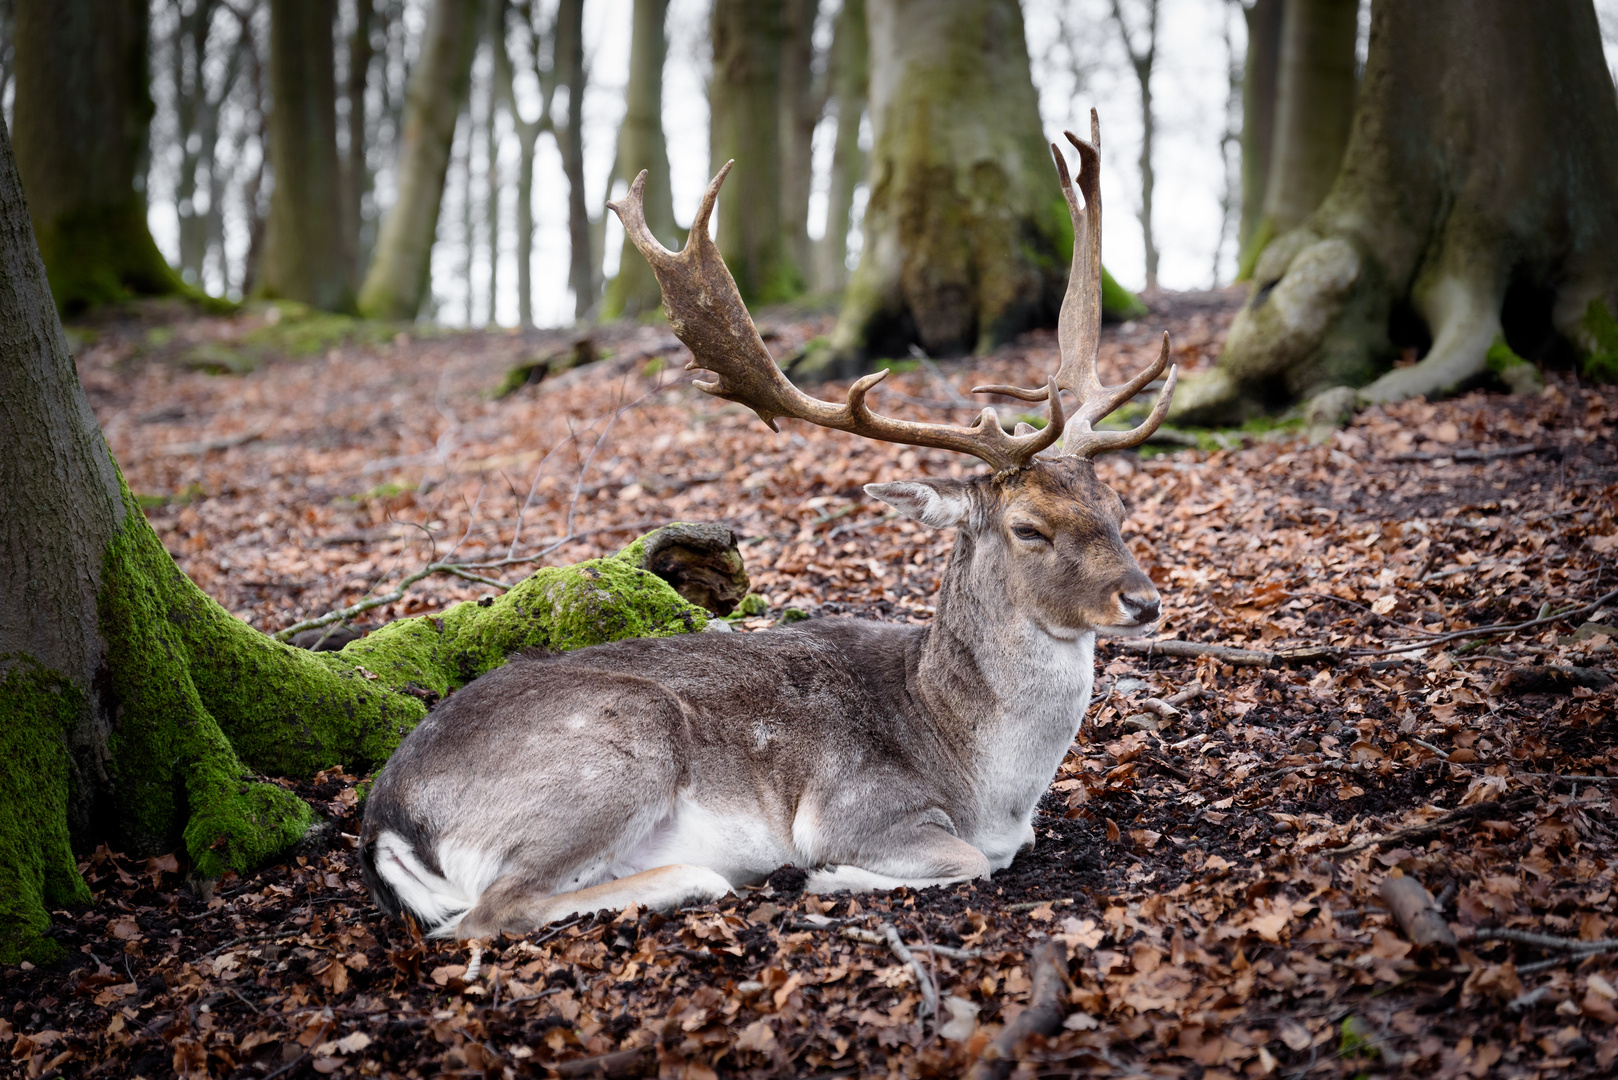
{"x": 1191, "y": 88}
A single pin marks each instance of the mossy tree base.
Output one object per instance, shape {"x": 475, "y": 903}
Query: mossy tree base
{"x": 1475, "y": 207}
{"x": 200, "y": 709}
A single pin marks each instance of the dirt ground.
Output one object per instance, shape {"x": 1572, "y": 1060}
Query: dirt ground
{"x": 1215, "y": 876}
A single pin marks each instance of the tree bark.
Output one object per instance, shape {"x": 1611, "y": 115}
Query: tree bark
{"x": 1476, "y": 194}
{"x": 966, "y": 236}
{"x": 571, "y": 73}
{"x": 641, "y": 146}
{"x": 398, "y": 280}
{"x": 491, "y": 146}
{"x": 305, "y": 255}
{"x": 1141, "y": 61}
{"x": 134, "y": 709}
{"x": 82, "y": 110}
{"x": 745, "y": 117}
{"x": 1314, "y": 109}
{"x": 801, "y": 106}
{"x": 356, "y": 174}
{"x": 1262, "y": 71}
{"x": 848, "y": 74}
{"x": 528, "y": 132}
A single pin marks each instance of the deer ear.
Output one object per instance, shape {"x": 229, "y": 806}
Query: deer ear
{"x": 942, "y": 504}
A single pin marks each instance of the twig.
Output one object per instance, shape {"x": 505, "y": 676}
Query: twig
{"x": 869, "y": 937}
{"x": 1228, "y": 654}
{"x": 1030, "y": 905}
{"x": 1480, "y": 632}
{"x": 1547, "y": 941}
{"x": 206, "y": 446}
{"x": 929, "y": 1000}
{"x": 1442, "y": 755}
{"x": 289, "y": 1066}
{"x": 528, "y": 997}
{"x": 1043, "y": 1016}
{"x": 1416, "y": 832}
{"x": 1472, "y": 455}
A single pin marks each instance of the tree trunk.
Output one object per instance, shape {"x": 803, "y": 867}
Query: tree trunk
{"x": 400, "y": 270}
{"x": 305, "y": 255}
{"x": 356, "y": 169}
{"x": 634, "y": 291}
{"x": 134, "y": 709}
{"x": 1142, "y": 61}
{"x": 745, "y": 120}
{"x": 1476, "y": 194}
{"x": 1314, "y": 109}
{"x": 528, "y": 133}
{"x": 1262, "y": 72}
{"x": 491, "y": 146}
{"x": 571, "y": 73}
{"x": 801, "y": 107}
{"x": 966, "y": 236}
{"x": 82, "y": 109}
{"x": 848, "y": 75}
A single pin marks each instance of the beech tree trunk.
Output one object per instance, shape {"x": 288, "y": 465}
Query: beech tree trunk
{"x": 1477, "y": 194}
{"x": 306, "y": 257}
{"x": 134, "y": 709}
{"x": 356, "y": 169}
{"x": 848, "y": 75}
{"x": 398, "y": 279}
{"x": 745, "y": 120}
{"x": 634, "y": 292}
{"x": 570, "y": 73}
{"x": 1259, "y": 78}
{"x": 81, "y": 110}
{"x": 966, "y": 235}
{"x": 801, "y": 105}
{"x": 1314, "y": 107}
{"x": 1141, "y": 60}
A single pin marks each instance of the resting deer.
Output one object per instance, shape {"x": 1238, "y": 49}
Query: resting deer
{"x": 661, "y": 772}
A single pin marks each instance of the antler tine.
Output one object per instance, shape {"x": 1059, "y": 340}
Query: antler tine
{"x": 706, "y": 312}
{"x": 1079, "y": 328}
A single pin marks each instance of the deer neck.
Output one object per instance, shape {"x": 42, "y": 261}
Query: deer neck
{"x": 994, "y": 674}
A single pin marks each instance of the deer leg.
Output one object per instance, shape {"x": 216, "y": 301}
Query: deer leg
{"x": 916, "y": 858}
{"x": 509, "y": 904}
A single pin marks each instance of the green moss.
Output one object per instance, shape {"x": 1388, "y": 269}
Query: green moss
{"x": 1600, "y": 363}
{"x": 1247, "y": 258}
{"x": 106, "y": 255}
{"x": 752, "y": 606}
{"x": 37, "y": 871}
{"x": 1509, "y": 368}
{"x": 1118, "y": 302}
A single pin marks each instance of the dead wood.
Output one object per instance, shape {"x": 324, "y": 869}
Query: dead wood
{"x": 1433, "y": 827}
{"x": 1043, "y": 1016}
{"x": 1418, "y": 916}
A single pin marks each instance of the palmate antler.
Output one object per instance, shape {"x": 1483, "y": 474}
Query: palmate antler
{"x": 706, "y": 312}
{"x": 1079, "y": 329}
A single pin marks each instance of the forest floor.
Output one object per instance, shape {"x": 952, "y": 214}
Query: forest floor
{"x": 1218, "y": 878}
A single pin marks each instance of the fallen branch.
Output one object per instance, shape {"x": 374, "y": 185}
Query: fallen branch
{"x": 1043, "y": 1016}
{"x": 208, "y": 446}
{"x": 1229, "y": 654}
{"x": 1473, "y": 455}
{"x": 617, "y": 1063}
{"x": 924, "y": 982}
{"x": 1430, "y": 828}
{"x": 870, "y": 937}
{"x": 1547, "y": 941}
{"x": 1418, "y": 916}
{"x": 1481, "y": 632}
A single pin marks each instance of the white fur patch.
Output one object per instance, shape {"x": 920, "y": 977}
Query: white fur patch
{"x": 438, "y": 901}
{"x": 922, "y": 502}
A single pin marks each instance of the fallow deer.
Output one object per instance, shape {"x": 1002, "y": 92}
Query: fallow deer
{"x": 660, "y": 772}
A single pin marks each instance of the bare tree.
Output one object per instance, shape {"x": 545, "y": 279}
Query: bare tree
{"x": 1260, "y": 73}
{"x": 803, "y": 100}
{"x": 356, "y": 171}
{"x": 1141, "y": 59}
{"x": 581, "y": 273}
{"x": 848, "y": 76}
{"x": 641, "y": 146}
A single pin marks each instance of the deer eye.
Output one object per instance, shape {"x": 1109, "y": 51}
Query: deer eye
{"x": 1027, "y": 532}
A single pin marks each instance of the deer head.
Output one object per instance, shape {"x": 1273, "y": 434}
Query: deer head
{"x": 1042, "y": 531}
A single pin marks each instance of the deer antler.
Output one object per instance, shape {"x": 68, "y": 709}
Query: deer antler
{"x": 706, "y": 312}
{"x": 1079, "y": 329}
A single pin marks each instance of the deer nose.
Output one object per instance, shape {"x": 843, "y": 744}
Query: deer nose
{"x": 1140, "y": 607}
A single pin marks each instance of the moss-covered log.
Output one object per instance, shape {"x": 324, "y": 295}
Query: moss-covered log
{"x": 1476, "y": 201}
{"x": 135, "y": 709}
